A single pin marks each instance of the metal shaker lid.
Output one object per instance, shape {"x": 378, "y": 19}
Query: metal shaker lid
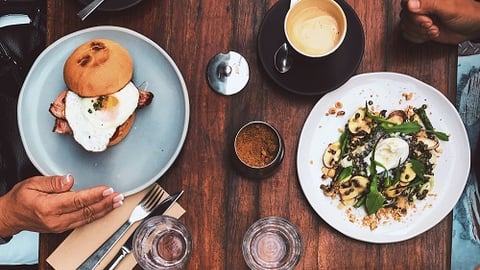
{"x": 228, "y": 73}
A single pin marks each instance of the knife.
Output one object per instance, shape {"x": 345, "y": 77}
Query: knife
{"x": 126, "y": 249}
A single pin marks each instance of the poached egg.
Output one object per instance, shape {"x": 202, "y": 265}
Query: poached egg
{"x": 391, "y": 152}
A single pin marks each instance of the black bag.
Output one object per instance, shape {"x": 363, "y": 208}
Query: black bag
{"x": 20, "y": 44}
{"x": 19, "y": 47}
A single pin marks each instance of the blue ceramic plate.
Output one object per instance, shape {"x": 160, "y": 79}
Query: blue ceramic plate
{"x": 154, "y": 141}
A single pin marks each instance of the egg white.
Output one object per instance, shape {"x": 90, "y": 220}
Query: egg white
{"x": 93, "y": 125}
{"x": 391, "y": 152}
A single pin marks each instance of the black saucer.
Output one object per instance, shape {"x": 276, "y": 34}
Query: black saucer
{"x": 311, "y": 76}
{"x": 113, "y": 5}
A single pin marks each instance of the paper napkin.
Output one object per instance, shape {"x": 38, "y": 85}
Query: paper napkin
{"x": 83, "y": 241}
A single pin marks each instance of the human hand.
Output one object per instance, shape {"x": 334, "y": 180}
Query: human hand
{"x": 47, "y": 204}
{"x": 444, "y": 21}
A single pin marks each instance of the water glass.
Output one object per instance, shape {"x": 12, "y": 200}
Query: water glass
{"x": 272, "y": 243}
{"x": 162, "y": 242}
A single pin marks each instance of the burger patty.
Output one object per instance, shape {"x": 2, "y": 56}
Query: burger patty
{"x": 57, "y": 109}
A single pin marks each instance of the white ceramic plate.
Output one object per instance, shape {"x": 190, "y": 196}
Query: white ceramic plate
{"x": 154, "y": 141}
{"x": 385, "y": 90}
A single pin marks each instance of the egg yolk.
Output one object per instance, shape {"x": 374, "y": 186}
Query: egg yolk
{"x": 104, "y": 103}
{"x": 111, "y": 102}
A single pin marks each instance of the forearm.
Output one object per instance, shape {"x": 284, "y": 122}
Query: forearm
{"x": 471, "y": 20}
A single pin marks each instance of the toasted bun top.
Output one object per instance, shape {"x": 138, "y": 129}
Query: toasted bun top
{"x": 98, "y": 67}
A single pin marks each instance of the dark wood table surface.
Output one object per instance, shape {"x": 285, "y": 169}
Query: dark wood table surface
{"x": 220, "y": 204}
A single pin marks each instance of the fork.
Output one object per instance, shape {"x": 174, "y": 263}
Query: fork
{"x": 144, "y": 207}
{"x": 83, "y": 14}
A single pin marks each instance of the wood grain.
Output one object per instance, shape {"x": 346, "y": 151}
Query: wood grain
{"x": 220, "y": 204}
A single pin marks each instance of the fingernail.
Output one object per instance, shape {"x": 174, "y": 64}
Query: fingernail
{"x": 433, "y": 33}
{"x": 117, "y": 204}
{"x": 414, "y": 4}
{"x": 426, "y": 24}
{"x": 118, "y": 198}
{"x": 107, "y": 192}
{"x": 118, "y": 201}
{"x": 67, "y": 179}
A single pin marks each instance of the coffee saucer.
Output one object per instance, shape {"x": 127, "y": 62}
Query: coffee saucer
{"x": 113, "y": 5}
{"x": 310, "y": 76}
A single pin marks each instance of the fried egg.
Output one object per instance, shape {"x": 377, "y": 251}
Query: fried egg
{"x": 94, "y": 120}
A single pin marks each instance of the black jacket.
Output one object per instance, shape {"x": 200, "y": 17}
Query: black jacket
{"x": 19, "y": 47}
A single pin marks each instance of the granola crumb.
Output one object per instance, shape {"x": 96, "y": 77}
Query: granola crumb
{"x": 370, "y": 221}
{"x": 407, "y": 96}
{"x": 351, "y": 216}
{"x": 384, "y": 216}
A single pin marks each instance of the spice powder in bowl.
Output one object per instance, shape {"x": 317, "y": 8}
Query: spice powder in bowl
{"x": 258, "y": 149}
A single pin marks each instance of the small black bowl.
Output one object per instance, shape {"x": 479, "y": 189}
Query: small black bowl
{"x": 258, "y": 150}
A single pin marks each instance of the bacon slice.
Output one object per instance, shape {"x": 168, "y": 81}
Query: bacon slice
{"x": 144, "y": 98}
{"x": 61, "y": 126}
{"x": 57, "y": 108}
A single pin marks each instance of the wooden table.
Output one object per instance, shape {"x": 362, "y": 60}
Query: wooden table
{"x": 220, "y": 204}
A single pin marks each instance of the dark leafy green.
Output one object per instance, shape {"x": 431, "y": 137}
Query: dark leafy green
{"x": 374, "y": 200}
{"x": 387, "y": 182}
{"x": 343, "y": 142}
{"x": 360, "y": 201}
{"x": 406, "y": 128}
{"x": 390, "y": 127}
{"x": 419, "y": 168}
{"x": 428, "y": 125}
{"x": 440, "y": 135}
{"x": 423, "y": 116}
{"x": 346, "y": 172}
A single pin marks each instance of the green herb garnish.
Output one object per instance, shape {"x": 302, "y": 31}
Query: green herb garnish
{"x": 428, "y": 125}
{"x": 375, "y": 199}
{"x": 387, "y": 181}
{"x": 345, "y": 173}
{"x": 406, "y": 128}
{"x": 390, "y": 127}
{"x": 418, "y": 167}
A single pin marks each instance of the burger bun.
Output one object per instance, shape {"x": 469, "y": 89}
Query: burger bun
{"x": 98, "y": 67}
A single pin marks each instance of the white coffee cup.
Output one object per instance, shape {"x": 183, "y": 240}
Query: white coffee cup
{"x": 315, "y": 28}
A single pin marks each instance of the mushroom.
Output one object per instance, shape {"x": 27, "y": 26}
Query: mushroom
{"x": 351, "y": 188}
{"x": 407, "y": 174}
{"x": 401, "y": 204}
{"x": 359, "y": 123}
{"x": 329, "y": 172}
{"x": 425, "y": 188}
{"x": 332, "y": 155}
{"x": 397, "y": 117}
{"x": 430, "y": 143}
{"x": 360, "y": 182}
{"x": 348, "y": 193}
{"x": 394, "y": 190}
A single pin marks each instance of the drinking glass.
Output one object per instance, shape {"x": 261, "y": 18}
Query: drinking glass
{"x": 162, "y": 242}
{"x": 272, "y": 243}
